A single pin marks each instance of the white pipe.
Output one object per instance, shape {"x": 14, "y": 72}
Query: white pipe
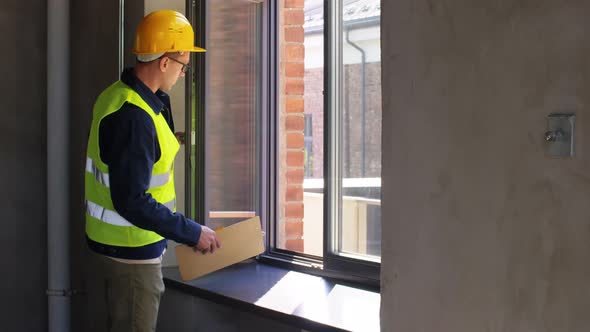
{"x": 58, "y": 257}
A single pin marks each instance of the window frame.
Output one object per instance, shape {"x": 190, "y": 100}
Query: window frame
{"x": 347, "y": 270}
{"x": 334, "y": 266}
{"x": 196, "y": 180}
{"x": 196, "y": 198}
{"x": 332, "y": 136}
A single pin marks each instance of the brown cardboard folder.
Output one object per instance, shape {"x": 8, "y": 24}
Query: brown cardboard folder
{"x": 239, "y": 241}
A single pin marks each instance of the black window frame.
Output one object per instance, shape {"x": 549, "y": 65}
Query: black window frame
{"x": 370, "y": 271}
{"x": 333, "y": 266}
{"x": 361, "y": 273}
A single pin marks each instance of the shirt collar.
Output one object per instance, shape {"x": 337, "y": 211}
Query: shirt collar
{"x": 157, "y": 101}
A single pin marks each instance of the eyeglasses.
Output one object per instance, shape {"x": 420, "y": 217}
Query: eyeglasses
{"x": 185, "y": 66}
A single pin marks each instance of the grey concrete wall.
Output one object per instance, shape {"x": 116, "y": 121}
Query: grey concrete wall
{"x": 481, "y": 231}
{"x": 23, "y": 165}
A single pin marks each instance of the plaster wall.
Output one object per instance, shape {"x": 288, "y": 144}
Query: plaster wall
{"x": 23, "y": 166}
{"x": 482, "y": 231}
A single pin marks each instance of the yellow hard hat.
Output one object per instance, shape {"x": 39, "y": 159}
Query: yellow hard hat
{"x": 164, "y": 31}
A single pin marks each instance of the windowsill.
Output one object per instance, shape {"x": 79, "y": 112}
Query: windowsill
{"x": 295, "y": 298}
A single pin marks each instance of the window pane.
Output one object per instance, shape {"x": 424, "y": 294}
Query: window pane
{"x": 359, "y": 123}
{"x": 231, "y": 110}
{"x": 300, "y": 134}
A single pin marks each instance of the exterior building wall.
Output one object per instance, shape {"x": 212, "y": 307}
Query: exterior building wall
{"x": 314, "y": 106}
{"x": 352, "y": 145}
{"x": 291, "y": 119}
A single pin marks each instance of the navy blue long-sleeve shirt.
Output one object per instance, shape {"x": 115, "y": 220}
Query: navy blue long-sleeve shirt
{"x": 129, "y": 146}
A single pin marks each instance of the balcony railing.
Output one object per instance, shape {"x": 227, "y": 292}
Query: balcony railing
{"x": 361, "y": 218}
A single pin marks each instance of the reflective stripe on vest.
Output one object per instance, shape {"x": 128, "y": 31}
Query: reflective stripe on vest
{"x": 103, "y": 178}
{"x": 112, "y": 217}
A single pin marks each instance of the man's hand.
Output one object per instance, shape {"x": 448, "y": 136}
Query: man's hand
{"x": 208, "y": 241}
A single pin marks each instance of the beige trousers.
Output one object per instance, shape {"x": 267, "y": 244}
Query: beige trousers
{"x": 123, "y": 297}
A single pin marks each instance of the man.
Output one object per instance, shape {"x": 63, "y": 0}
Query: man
{"x": 130, "y": 194}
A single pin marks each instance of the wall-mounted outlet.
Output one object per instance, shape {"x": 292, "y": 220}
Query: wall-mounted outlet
{"x": 559, "y": 135}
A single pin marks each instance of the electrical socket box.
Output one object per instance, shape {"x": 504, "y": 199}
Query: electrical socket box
{"x": 559, "y": 135}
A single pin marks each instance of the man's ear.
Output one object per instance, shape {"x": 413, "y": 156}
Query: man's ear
{"x": 164, "y": 63}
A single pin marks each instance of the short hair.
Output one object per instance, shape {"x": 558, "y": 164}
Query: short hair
{"x": 154, "y": 56}
{"x": 149, "y": 57}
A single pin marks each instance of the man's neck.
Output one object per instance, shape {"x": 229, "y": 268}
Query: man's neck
{"x": 143, "y": 73}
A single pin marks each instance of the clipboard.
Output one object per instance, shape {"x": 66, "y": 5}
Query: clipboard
{"x": 239, "y": 242}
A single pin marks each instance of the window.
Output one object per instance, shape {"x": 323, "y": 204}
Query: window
{"x": 354, "y": 136}
{"x": 328, "y": 142}
{"x": 229, "y": 107}
{"x": 287, "y": 126}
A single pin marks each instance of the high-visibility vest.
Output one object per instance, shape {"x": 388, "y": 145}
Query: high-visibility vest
{"x": 103, "y": 223}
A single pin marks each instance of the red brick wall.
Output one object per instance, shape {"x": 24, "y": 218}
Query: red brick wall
{"x": 292, "y": 73}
